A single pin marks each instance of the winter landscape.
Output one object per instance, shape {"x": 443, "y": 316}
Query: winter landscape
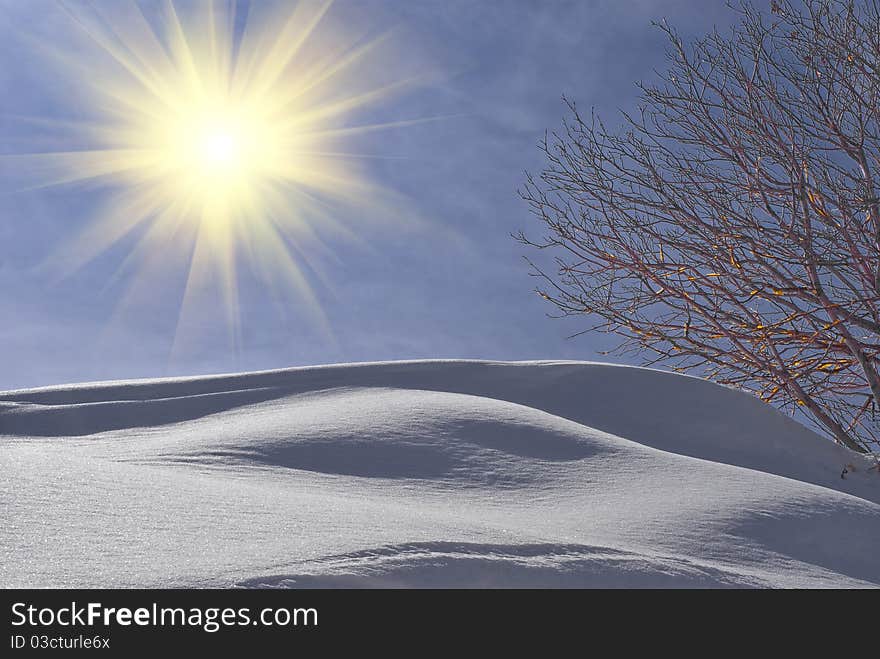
{"x": 427, "y": 474}
{"x": 297, "y": 259}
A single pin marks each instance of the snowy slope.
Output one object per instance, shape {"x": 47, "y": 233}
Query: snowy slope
{"x": 432, "y": 473}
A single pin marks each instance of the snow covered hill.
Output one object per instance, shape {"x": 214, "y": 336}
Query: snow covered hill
{"x": 429, "y": 473}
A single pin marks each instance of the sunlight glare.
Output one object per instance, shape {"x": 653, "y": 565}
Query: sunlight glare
{"x": 221, "y": 141}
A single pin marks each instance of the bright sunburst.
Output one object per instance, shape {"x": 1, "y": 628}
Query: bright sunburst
{"x": 219, "y": 134}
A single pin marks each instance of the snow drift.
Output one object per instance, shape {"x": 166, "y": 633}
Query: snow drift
{"x": 431, "y": 473}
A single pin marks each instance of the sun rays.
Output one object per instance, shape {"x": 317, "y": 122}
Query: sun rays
{"x": 219, "y": 137}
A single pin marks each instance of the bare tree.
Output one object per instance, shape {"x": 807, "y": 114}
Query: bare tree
{"x": 732, "y": 224}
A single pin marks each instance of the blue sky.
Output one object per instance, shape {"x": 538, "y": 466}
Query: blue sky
{"x": 455, "y": 287}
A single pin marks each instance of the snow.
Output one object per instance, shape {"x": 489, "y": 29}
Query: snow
{"x": 426, "y": 473}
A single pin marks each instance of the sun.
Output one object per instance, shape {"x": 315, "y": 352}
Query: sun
{"x": 220, "y": 150}
{"x": 220, "y": 134}
{"x": 213, "y": 153}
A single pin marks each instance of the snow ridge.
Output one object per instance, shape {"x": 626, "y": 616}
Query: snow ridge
{"x": 427, "y": 473}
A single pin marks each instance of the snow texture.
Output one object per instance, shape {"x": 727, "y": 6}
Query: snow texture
{"x": 426, "y": 474}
